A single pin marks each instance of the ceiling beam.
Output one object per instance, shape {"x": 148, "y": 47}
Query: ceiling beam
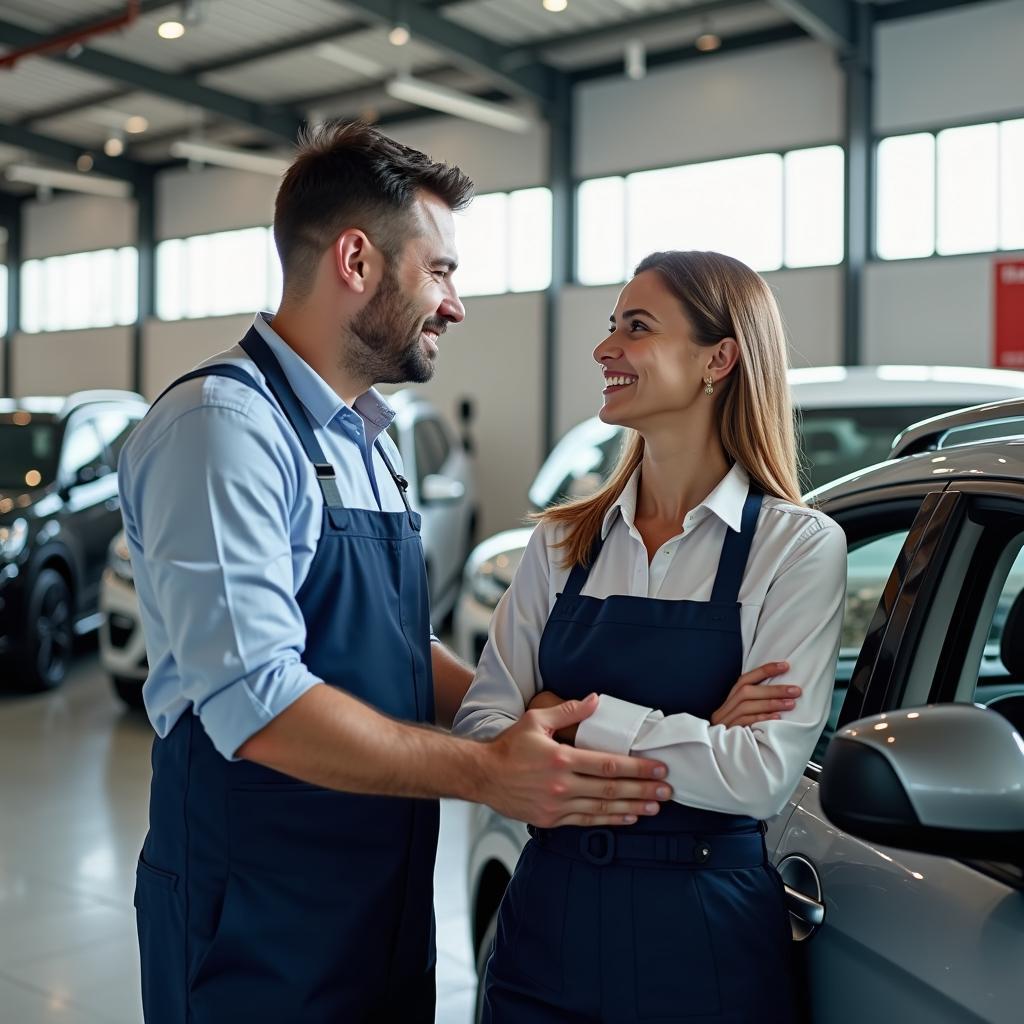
{"x": 276, "y": 120}
{"x": 829, "y": 21}
{"x": 67, "y": 153}
{"x": 534, "y": 81}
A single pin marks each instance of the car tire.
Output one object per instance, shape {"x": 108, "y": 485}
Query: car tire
{"x": 129, "y": 691}
{"x": 483, "y": 954}
{"x": 49, "y": 633}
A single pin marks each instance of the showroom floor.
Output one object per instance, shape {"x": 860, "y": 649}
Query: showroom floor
{"x": 73, "y": 804}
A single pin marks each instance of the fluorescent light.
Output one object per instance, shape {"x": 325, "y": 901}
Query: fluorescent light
{"x": 170, "y": 30}
{"x": 47, "y": 177}
{"x": 459, "y": 104}
{"x": 555, "y": 6}
{"x": 223, "y": 156}
{"x": 347, "y": 59}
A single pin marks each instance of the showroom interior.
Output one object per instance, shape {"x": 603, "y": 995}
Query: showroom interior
{"x": 866, "y": 157}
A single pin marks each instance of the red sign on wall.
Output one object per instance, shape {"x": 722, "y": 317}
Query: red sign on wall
{"x": 1009, "y": 314}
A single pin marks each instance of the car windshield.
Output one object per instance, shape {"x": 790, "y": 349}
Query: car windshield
{"x": 836, "y": 442}
{"x": 28, "y": 454}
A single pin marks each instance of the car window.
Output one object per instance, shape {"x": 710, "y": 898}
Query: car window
{"x": 836, "y": 442}
{"x": 868, "y": 566}
{"x": 115, "y": 426}
{"x": 28, "y": 454}
{"x": 83, "y": 450}
{"x": 432, "y": 448}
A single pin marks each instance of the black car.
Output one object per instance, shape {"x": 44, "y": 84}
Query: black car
{"x": 59, "y": 511}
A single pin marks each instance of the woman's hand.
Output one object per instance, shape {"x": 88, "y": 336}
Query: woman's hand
{"x": 547, "y": 699}
{"x": 750, "y": 701}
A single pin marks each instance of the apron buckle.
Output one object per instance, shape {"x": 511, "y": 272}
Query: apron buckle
{"x": 605, "y": 843}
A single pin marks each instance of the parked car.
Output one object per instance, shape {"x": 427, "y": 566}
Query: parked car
{"x": 847, "y": 418}
{"x": 441, "y": 488}
{"x": 58, "y": 512}
{"x": 910, "y": 899}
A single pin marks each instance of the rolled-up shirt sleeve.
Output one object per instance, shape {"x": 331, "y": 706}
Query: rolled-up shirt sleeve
{"x": 507, "y": 677}
{"x": 750, "y": 769}
{"x": 207, "y": 509}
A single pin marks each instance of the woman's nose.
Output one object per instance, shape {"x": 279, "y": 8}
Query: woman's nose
{"x": 607, "y": 348}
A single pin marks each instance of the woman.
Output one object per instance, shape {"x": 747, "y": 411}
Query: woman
{"x": 695, "y": 561}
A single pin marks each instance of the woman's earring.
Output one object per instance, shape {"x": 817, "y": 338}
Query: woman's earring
{"x": 709, "y": 385}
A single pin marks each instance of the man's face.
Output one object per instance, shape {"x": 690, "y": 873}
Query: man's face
{"x": 400, "y": 327}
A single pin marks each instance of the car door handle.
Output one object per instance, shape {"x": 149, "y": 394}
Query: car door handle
{"x": 807, "y": 910}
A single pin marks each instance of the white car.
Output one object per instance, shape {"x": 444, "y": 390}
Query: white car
{"x": 848, "y": 417}
{"x": 442, "y": 490}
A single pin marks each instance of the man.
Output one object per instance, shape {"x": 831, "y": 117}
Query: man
{"x": 286, "y": 876}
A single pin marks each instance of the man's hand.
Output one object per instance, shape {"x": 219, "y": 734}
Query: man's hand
{"x": 750, "y": 701}
{"x": 530, "y": 777}
{"x": 547, "y": 699}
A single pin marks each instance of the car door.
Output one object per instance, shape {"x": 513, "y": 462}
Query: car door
{"x": 909, "y": 936}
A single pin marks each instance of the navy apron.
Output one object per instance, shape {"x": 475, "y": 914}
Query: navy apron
{"x": 261, "y": 898}
{"x": 677, "y": 917}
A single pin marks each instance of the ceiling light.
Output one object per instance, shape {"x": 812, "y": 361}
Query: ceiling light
{"x": 136, "y": 124}
{"x": 224, "y": 156}
{"x": 555, "y": 6}
{"x": 170, "y": 30}
{"x": 459, "y": 104}
{"x": 707, "y": 42}
{"x": 48, "y": 178}
{"x": 114, "y": 146}
{"x": 636, "y": 59}
{"x": 85, "y": 163}
{"x": 399, "y": 35}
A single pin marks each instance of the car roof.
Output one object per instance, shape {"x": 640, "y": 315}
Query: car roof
{"x": 845, "y": 386}
{"x": 51, "y": 408}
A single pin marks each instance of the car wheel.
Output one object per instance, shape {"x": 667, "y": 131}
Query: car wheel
{"x": 49, "y": 634}
{"x": 129, "y": 691}
{"x": 483, "y": 954}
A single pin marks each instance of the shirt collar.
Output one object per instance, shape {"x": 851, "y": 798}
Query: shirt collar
{"x": 321, "y": 401}
{"x": 725, "y": 501}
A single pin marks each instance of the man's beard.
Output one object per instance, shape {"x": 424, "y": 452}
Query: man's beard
{"x": 386, "y": 347}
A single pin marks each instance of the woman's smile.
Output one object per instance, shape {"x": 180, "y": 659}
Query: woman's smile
{"x": 615, "y": 382}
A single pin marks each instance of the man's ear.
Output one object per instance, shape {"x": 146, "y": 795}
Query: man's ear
{"x": 354, "y": 260}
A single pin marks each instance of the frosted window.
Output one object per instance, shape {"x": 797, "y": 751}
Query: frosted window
{"x": 729, "y": 206}
{"x": 968, "y": 188}
{"x": 905, "y": 225}
{"x": 814, "y": 207}
{"x": 481, "y": 237}
{"x": 3, "y": 299}
{"x": 601, "y": 231}
{"x": 529, "y": 240}
{"x": 1011, "y": 194}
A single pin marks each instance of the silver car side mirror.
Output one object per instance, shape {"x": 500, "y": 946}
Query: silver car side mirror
{"x": 945, "y": 779}
{"x": 441, "y": 490}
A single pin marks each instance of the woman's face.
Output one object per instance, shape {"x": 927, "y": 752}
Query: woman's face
{"x": 650, "y": 361}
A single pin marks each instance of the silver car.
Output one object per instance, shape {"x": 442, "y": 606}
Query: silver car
{"x": 908, "y": 905}
{"x": 441, "y": 488}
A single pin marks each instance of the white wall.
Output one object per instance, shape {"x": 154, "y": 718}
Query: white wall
{"x": 67, "y": 223}
{"x": 63, "y": 361}
{"x": 808, "y": 299}
{"x": 212, "y": 199}
{"x": 782, "y": 96}
{"x": 961, "y": 65}
{"x": 170, "y": 349}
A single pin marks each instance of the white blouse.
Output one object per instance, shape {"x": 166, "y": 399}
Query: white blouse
{"x": 792, "y": 599}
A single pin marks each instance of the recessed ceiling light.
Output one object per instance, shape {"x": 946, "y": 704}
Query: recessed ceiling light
{"x": 708, "y": 42}
{"x": 84, "y": 163}
{"x": 113, "y": 146}
{"x": 136, "y": 124}
{"x": 555, "y": 6}
{"x": 399, "y": 35}
{"x": 170, "y": 30}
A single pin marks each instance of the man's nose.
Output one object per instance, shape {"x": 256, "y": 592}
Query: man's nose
{"x": 452, "y": 309}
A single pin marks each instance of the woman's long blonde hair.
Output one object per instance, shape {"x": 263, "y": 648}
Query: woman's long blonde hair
{"x": 722, "y": 298}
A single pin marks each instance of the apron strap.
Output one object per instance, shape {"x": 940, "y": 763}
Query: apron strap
{"x": 400, "y": 482}
{"x": 581, "y": 573}
{"x": 736, "y": 550}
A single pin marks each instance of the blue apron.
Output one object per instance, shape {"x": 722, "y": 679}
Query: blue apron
{"x": 677, "y": 917}
{"x": 267, "y": 900}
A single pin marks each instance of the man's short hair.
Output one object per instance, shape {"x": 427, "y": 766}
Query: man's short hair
{"x": 350, "y": 175}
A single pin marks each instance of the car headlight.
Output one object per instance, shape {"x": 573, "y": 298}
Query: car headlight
{"x": 119, "y": 560}
{"x": 13, "y": 538}
{"x": 490, "y": 581}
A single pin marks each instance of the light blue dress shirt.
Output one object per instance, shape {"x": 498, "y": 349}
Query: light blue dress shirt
{"x": 223, "y": 513}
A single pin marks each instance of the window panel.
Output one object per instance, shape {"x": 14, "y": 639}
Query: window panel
{"x": 529, "y": 229}
{"x": 814, "y": 206}
{"x": 170, "y": 279}
{"x": 968, "y": 179}
{"x": 601, "y": 231}
{"x": 729, "y": 206}
{"x": 1011, "y": 194}
{"x": 481, "y": 236}
{"x": 32, "y": 301}
{"x": 3, "y": 299}
{"x": 905, "y": 225}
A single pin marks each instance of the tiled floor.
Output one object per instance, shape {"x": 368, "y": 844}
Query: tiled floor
{"x": 74, "y": 781}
